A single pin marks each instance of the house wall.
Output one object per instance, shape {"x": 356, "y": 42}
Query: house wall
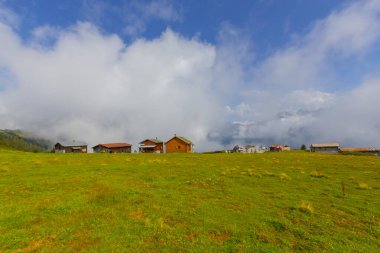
{"x": 121, "y": 150}
{"x": 83, "y": 149}
{"x": 328, "y": 150}
{"x": 159, "y": 147}
{"x": 177, "y": 146}
{"x": 101, "y": 149}
{"x": 372, "y": 152}
{"x": 61, "y": 149}
{"x": 275, "y": 149}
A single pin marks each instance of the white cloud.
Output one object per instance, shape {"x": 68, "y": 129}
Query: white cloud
{"x": 135, "y": 16}
{"x": 355, "y": 118}
{"x": 308, "y": 62}
{"x": 138, "y": 15}
{"x": 291, "y": 95}
{"x": 89, "y": 86}
{"x": 8, "y": 17}
{"x": 162, "y": 9}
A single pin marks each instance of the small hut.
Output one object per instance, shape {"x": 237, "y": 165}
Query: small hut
{"x": 120, "y": 147}
{"x": 151, "y": 146}
{"x": 179, "y": 144}
{"x": 70, "y": 147}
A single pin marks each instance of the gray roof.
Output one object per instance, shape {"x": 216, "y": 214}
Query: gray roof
{"x": 72, "y": 143}
{"x": 153, "y": 140}
{"x": 325, "y": 145}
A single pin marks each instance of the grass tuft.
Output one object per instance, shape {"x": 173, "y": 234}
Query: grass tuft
{"x": 318, "y": 174}
{"x": 363, "y": 186}
{"x": 283, "y": 176}
{"x": 269, "y": 174}
{"x": 306, "y": 207}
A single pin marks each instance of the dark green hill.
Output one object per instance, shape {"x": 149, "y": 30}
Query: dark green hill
{"x": 24, "y": 141}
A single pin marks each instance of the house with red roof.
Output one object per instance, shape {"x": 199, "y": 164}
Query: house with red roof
{"x": 120, "y": 147}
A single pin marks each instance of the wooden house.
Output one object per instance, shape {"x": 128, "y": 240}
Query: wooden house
{"x": 120, "y": 147}
{"x": 329, "y": 148}
{"x": 370, "y": 151}
{"x": 179, "y": 144}
{"x": 151, "y": 146}
{"x": 277, "y": 148}
{"x": 70, "y": 147}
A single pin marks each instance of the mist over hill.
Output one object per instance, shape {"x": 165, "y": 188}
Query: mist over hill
{"x": 22, "y": 140}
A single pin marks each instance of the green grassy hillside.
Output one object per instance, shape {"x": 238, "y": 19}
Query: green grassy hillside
{"x": 273, "y": 202}
{"x": 19, "y": 140}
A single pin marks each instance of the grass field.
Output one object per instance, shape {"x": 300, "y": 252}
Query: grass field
{"x": 272, "y": 202}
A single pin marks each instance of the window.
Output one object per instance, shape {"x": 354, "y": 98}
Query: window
{"x": 179, "y": 147}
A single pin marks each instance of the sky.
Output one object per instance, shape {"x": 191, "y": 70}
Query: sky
{"x": 219, "y": 73}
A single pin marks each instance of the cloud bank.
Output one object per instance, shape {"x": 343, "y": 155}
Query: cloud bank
{"x": 80, "y": 83}
{"x": 91, "y": 86}
{"x": 300, "y": 93}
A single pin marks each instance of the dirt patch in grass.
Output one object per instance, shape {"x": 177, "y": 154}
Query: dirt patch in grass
{"x": 138, "y": 215}
{"x": 82, "y": 241}
{"x": 220, "y": 236}
{"x": 32, "y": 246}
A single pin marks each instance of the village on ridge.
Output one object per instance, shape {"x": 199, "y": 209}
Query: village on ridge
{"x": 179, "y": 144}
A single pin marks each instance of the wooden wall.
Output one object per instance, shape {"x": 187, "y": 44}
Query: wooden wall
{"x": 175, "y": 145}
{"x": 328, "y": 150}
{"x": 62, "y": 149}
{"x": 101, "y": 149}
{"x": 159, "y": 146}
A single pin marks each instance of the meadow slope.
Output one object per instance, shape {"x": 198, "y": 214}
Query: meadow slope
{"x": 272, "y": 202}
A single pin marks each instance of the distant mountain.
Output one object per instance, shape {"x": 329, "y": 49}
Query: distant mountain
{"x": 24, "y": 141}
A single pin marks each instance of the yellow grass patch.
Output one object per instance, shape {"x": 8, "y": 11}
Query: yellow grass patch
{"x": 318, "y": 174}
{"x": 363, "y": 186}
{"x": 284, "y": 176}
{"x": 306, "y": 207}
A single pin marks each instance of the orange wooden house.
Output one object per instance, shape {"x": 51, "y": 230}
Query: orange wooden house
{"x": 151, "y": 146}
{"x": 179, "y": 144}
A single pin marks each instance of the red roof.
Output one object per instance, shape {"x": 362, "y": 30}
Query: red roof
{"x": 115, "y": 145}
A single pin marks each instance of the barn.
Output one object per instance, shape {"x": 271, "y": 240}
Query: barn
{"x": 151, "y": 146}
{"x": 329, "y": 148}
{"x": 119, "y": 147}
{"x": 179, "y": 144}
{"x": 70, "y": 147}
